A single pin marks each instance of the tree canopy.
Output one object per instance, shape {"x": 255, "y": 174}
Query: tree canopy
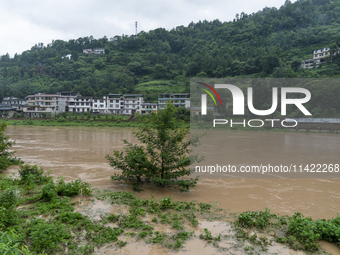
{"x": 164, "y": 156}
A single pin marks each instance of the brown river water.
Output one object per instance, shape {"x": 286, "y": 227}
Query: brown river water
{"x": 79, "y": 152}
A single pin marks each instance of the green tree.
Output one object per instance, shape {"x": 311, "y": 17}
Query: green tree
{"x": 5, "y": 144}
{"x": 295, "y": 65}
{"x": 270, "y": 63}
{"x": 164, "y": 156}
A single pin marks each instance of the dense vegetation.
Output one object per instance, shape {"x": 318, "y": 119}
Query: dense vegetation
{"x": 298, "y": 232}
{"x": 39, "y": 217}
{"x": 269, "y": 43}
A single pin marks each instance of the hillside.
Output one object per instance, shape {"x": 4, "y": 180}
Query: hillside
{"x": 269, "y": 43}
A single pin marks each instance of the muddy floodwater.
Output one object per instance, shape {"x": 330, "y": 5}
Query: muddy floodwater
{"x": 79, "y": 153}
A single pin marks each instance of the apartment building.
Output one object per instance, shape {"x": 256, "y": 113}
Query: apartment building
{"x": 177, "y": 99}
{"x": 115, "y": 103}
{"x": 14, "y": 103}
{"x": 132, "y": 103}
{"x": 44, "y": 103}
{"x": 81, "y": 104}
{"x": 70, "y": 95}
{"x": 118, "y": 104}
{"x": 99, "y": 105}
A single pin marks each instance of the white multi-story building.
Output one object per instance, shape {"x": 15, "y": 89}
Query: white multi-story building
{"x": 124, "y": 104}
{"x": 81, "y": 104}
{"x": 70, "y": 101}
{"x": 322, "y": 53}
{"x": 132, "y": 103}
{"x": 99, "y": 105}
{"x": 94, "y": 51}
{"x": 70, "y": 95}
{"x": 318, "y": 58}
{"x": 115, "y": 103}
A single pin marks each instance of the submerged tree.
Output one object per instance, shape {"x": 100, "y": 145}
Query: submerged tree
{"x": 5, "y": 144}
{"x": 164, "y": 156}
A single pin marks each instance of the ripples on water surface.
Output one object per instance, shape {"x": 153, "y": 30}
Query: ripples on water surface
{"x": 79, "y": 152}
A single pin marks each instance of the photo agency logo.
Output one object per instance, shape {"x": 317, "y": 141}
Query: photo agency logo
{"x": 238, "y": 104}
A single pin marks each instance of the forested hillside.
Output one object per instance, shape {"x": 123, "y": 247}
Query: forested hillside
{"x": 269, "y": 43}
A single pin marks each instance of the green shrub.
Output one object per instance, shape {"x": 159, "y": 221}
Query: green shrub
{"x": 46, "y": 236}
{"x": 8, "y": 214}
{"x": 49, "y": 192}
{"x": 10, "y": 243}
{"x": 254, "y": 219}
{"x": 37, "y": 172}
{"x": 305, "y": 232}
{"x": 6, "y": 183}
{"x": 70, "y": 217}
{"x": 73, "y": 188}
{"x": 5, "y": 145}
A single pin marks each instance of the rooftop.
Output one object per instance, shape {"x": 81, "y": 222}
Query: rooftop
{"x": 133, "y": 95}
{"x": 83, "y": 97}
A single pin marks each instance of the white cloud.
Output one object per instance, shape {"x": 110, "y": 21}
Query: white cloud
{"x": 25, "y": 23}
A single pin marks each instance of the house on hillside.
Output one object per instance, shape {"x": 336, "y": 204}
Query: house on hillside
{"x": 318, "y": 58}
{"x": 94, "y": 51}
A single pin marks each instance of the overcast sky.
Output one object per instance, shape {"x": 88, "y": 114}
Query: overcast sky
{"x": 25, "y": 23}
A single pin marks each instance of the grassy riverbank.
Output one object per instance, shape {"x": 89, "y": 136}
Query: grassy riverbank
{"x": 123, "y": 122}
{"x": 73, "y": 123}
{"x": 40, "y": 215}
{"x": 90, "y": 120}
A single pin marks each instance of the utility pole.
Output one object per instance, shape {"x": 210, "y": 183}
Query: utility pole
{"x": 136, "y": 31}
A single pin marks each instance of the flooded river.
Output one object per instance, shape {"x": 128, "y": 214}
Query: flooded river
{"x": 79, "y": 152}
